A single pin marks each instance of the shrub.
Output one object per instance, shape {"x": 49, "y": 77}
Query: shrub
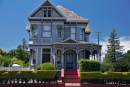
{"x": 25, "y": 73}
{"x": 2, "y": 71}
{"x": 86, "y": 65}
{"x": 107, "y": 67}
{"x": 47, "y": 66}
{"x": 38, "y": 67}
{"x": 121, "y": 66}
{"x": 113, "y": 75}
{"x": 90, "y": 75}
{"x": 12, "y": 74}
{"x": 45, "y": 74}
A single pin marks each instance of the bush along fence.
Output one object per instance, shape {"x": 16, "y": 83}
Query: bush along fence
{"x": 104, "y": 78}
{"x": 26, "y": 76}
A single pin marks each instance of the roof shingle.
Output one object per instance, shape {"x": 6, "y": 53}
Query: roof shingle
{"x": 70, "y": 15}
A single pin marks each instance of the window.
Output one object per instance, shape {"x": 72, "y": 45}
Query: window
{"x": 34, "y": 56}
{"x": 81, "y": 54}
{"x": 73, "y": 33}
{"x": 59, "y": 31}
{"x": 58, "y": 56}
{"x": 46, "y": 55}
{"x": 47, "y": 13}
{"x": 81, "y": 34}
{"x": 47, "y": 31}
{"x": 34, "y": 31}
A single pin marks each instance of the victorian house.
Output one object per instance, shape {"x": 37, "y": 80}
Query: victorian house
{"x": 59, "y": 31}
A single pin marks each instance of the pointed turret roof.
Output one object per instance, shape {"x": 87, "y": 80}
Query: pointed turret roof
{"x": 88, "y": 29}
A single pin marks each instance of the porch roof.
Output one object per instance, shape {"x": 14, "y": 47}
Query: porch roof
{"x": 79, "y": 42}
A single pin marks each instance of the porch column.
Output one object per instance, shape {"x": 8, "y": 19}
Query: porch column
{"x": 62, "y": 60}
{"x": 77, "y": 61}
{"x": 91, "y": 49}
{"x": 55, "y": 60}
{"x": 77, "y": 52}
{"x": 62, "y": 57}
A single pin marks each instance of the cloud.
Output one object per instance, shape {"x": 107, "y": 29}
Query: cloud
{"x": 124, "y": 41}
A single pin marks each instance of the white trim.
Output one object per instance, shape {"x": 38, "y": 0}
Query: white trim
{"x": 35, "y": 23}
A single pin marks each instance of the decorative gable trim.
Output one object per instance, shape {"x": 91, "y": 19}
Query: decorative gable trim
{"x": 70, "y": 40}
{"x": 46, "y": 3}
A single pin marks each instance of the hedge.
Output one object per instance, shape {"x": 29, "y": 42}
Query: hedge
{"x": 26, "y": 75}
{"x": 86, "y": 65}
{"x": 109, "y": 76}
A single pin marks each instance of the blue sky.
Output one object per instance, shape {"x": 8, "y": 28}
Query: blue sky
{"x": 103, "y": 15}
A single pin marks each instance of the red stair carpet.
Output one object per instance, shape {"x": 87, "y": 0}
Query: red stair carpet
{"x": 71, "y": 76}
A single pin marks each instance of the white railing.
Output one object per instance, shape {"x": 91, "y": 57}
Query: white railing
{"x": 14, "y": 68}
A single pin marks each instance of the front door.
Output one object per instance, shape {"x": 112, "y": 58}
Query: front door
{"x": 69, "y": 61}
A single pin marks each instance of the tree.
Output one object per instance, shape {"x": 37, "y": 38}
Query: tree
{"x": 20, "y": 62}
{"x": 6, "y": 60}
{"x": 126, "y": 56}
{"x": 121, "y": 66}
{"x": 20, "y": 46}
{"x": 2, "y": 52}
{"x": 20, "y": 54}
{"x": 12, "y": 53}
{"x": 24, "y": 43}
{"x": 114, "y": 50}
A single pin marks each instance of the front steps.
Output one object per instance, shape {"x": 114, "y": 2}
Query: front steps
{"x": 71, "y": 76}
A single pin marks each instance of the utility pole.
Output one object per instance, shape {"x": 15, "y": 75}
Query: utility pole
{"x": 98, "y": 36}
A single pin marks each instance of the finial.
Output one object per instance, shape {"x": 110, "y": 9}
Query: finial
{"x": 59, "y": 2}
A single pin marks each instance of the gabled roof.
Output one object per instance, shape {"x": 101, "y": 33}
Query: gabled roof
{"x": 70, "y": 15}
{"x": 45, "y": 3}
{"x": 70, "y": 40}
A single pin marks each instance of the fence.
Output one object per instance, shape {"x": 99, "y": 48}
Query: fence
{"x": 14, "y": 68}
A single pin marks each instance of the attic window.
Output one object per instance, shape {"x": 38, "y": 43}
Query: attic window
{"x": 47, "y": 13}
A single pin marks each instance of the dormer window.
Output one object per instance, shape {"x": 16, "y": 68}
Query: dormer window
{"x": 47, "y": 13}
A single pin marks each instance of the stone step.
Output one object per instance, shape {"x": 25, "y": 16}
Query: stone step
{"x": 72, "y": 81}
{"x": 71, "y": 76}
{"x": 72, "y": 84}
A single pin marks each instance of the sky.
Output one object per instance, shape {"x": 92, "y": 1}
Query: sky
{"x": 103, "y": 16}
